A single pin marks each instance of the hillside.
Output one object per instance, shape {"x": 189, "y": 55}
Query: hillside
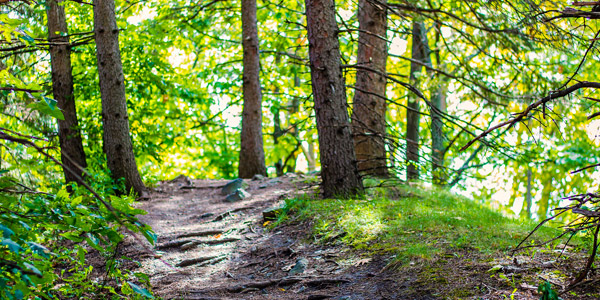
{"x": 401, "y": 243}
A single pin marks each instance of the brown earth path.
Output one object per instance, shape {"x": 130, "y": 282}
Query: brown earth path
{"x": 212, "y": 249}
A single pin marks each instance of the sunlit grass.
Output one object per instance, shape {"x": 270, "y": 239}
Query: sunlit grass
{"x": 420, "y": 223}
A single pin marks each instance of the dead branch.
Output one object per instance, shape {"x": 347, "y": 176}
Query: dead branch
{"x": 524, "y": 114}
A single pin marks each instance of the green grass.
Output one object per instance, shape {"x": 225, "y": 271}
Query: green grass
{"x": 420, "y": 223}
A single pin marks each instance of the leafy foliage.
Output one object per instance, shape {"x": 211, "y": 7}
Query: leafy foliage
{"x": 547, "y": 292}
{"x": 47, "y": 233}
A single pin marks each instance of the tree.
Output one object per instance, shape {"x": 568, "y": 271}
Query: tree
{"x": 339, "y": 171}
{"x": 437, "y": 109}
{"x": 117, "y": 142}
{"x": 72, "y": 154}
{"x": 252, "y": 155}
{"x": 420, "y": 53}
{"x": 368, "y": 118}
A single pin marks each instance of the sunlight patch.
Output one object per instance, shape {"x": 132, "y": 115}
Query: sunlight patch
{"x": 368, "y": 223}
{"x": 146, "y": 14}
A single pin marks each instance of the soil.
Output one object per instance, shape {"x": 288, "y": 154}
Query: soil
{"x": 209, "y": 248}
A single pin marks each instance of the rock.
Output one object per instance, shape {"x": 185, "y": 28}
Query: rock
{"x": 232, "y": 186}
{"x": 206, "y": 215}
{"x": 300, "y": 266}
{"x": 188, "y": 246}
{"x": 271, "y": 214}
{"x": 258, "y": 177}
{"x": 181, "y": 180}
{"x": 269, "y": 183}
{"x": 238, "y": 195}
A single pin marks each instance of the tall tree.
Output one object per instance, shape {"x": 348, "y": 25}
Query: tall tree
{"x": 420, "y": 54}
{"x": 72, "y": 154}
{"x": 339, "y": 171}
{"x": 252, "y": 155}
{"x": 368, "y": 118}
{"x": 437, "y": 109}
{"x": 117, "y": 142}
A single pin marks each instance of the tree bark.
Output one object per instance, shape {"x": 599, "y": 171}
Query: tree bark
{"x": 71, "y": 148}
{"x": 339, "y": 171}
{"x": 438, "y": 103}
{"x": 252, "y": 155}
{"x": 528, "y": 194}
{"x": 117, "y": 142}
{"x": 419, "y": 54}
{"x": 368, "y": 118}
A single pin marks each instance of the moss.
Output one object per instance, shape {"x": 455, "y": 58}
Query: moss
{"x": 462, "y": 292}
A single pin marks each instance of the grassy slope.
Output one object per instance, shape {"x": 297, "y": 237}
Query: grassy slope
{"x": 450, "y": 237}
{"x": 413, "y": 222}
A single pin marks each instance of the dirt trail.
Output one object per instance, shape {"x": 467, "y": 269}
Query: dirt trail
{"x": 212, "y": 249}
{"x": 209, "y": 248}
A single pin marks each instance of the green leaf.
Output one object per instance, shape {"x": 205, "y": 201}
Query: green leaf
{"x": 150, "y": 236}
{"x": 73, "y": 236}
{"x": 44, "y": 108}
{"x": 114, "y": 237}
{"x": 26, "y": 38}
{"x": 33, "y": 269}
{"x": 6, "y": 232}
{"x": 51, "y": 102}
{"x": 39, "y": 249}
{"x": 12, "y": 246}
{"x": 142, "y": 291}
{"x": 62, "y": 194}
{"x": 7, "y": 181}
{"x": 94, "y": 242}
{"x": 75, "y": 201}
{"x": 25, "y": 225}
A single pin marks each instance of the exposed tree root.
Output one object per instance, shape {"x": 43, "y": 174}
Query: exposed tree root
{"x": 193, "y": 261}
{"x": 193, "y": 244}
{"x": 229, "y": 212}
{"x": 200, "y": 233}
{"x": 326, "y": 281}
{"x": 174, "y": 244}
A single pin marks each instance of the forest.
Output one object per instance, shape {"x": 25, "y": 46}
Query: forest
{"x": 287, "y": 149}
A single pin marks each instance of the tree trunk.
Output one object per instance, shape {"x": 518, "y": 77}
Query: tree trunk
{"x": 252, "y": 155}
{"x": 309, "y": 154}
{"x": 419, "y": 54}
{"x": 528, "y": 194}
{"x": 71, "y": 148}
{"x": 368, "y": 118}
{"x": 338, "y": 161}
{"x": 117, "y": 142}
{"x": 438, "y": 103}
{"x": 293, "y": 108}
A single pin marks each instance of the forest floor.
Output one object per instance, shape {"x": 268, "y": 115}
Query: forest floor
{"x": 212, "y": 249}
